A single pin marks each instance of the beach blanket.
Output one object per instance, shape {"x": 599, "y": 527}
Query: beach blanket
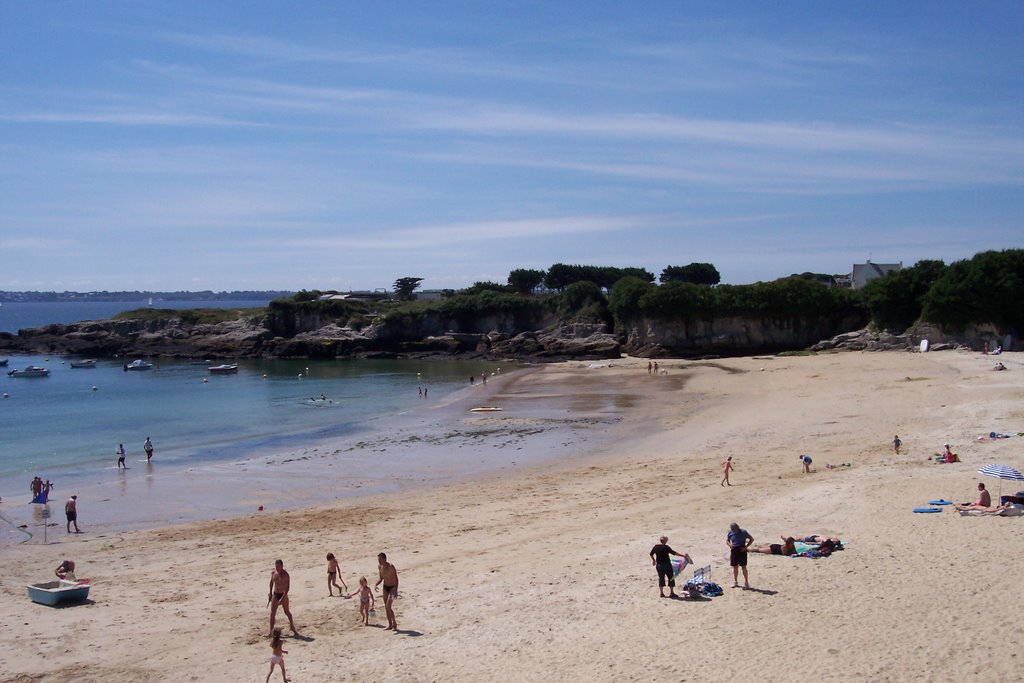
{"x": 42, "y": 498}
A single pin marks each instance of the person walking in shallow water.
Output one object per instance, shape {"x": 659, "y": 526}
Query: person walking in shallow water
{"x": 726, "y": 468}
{"x": 120, "y": 457}
{"x": 148, "y": 447}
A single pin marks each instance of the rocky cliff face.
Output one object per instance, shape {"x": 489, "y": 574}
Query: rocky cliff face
{"x": 312, "y": 337}
{"x": 732, "y": 336}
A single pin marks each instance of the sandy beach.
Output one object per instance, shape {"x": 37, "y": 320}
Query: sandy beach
{"x": 540, "y": 570}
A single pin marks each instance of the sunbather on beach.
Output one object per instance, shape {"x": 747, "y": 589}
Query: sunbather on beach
{"x": 983, "y": 503}
{"x": 813, "y": 538}
{"x": 787, "y": 547}
{"x": 992, "y": 509}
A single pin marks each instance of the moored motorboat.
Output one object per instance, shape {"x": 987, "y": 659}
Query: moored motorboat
{"x": 223, "y": 369}
{"x": 83, "y": 363}
{"x": 30, "y": 371}
{"x": 3, "y": 362}
{"x": 138, "y": 364}
{"x": 55, "y": 592}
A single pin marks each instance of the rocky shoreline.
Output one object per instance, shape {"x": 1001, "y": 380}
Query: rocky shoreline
{"x": 250, "y": 338}
{"x": 555, "y": 340}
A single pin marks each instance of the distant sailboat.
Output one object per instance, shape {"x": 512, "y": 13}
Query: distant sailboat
{"x": 150, "y": 301}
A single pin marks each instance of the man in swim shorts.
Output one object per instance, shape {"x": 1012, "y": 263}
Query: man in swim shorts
{"x": 738, "y": 541}
{"x": 389, "y": 577}
{"x": 280, "y": 583}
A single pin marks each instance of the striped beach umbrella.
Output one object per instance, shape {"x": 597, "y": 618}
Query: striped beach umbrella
{"x": 1001, "y": 472}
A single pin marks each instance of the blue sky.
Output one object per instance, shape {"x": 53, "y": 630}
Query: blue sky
{"x": 276, "y": 145}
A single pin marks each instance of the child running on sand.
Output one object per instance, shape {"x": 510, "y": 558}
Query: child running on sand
{"x": 366, "y": 600}
{"x": 278, "y": 657}
{"x": 333, "y": 574}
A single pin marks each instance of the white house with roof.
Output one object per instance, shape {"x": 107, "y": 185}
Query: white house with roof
{"x": 864, "y": 273}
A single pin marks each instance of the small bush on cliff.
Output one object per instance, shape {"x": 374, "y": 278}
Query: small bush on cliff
{"x": 896, "y": 299}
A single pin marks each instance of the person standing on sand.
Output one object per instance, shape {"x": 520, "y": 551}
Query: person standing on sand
{"x": 726, "y": 468}
{"x": 277, "y": 658}
{"x": 280, "y": 584}
{"x": 332, "y": 576}
{"x": 663, "y": 563}
{"x": 120, "y": 457}
{"x": 896, "y": 443}
{"x": 366, "y": 600}
{"x": 148, "y": 447}
{"x": 36, "y": 487}
{"x": 806, "y": 461}
{"x": 738, "y": 541}
{"x": 71, "y": 512}
{"x": 389, "y": 577}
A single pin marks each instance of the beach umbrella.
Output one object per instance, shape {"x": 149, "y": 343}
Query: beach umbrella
{"x": 1001, "y": 472}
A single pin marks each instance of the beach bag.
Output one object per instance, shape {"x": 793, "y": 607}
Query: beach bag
{"x": 711, "y": 590}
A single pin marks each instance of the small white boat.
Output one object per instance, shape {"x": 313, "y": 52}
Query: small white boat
{"x": 485, "y": 409}
{"x": 55, "y": 592}
{"x": 30, "y": 371}
{"x": 84, "y": 363}
{"x": 224, "y": 369}
{"x": 138, "y": 364}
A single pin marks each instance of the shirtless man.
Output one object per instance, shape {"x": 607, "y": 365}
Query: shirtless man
{"x": 280, "y": 582}
{"x": 65, "y": 571}
{"x": 983, "y": 503}
{"x": 71, "y": 512}
{"x": 389, "y": 576}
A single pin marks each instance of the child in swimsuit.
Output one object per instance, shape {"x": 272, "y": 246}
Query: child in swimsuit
{"x": 366, "y": 600}
{"x": 332, "y": 572}
{"x": 278, "y": 657}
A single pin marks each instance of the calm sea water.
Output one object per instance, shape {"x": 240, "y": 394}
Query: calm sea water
{"x": 68, "y": 424}
{"x": 60, "y": 426}
{"x": 16, "y": 315}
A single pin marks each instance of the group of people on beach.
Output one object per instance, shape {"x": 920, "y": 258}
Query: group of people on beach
{"x": 280, "y": 586}
{"x": 740, "y": 544}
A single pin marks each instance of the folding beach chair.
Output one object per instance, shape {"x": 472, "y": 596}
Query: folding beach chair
{"x": 700, "y": 577}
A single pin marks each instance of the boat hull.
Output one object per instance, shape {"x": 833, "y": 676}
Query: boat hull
{"x": 55, "y": 592}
